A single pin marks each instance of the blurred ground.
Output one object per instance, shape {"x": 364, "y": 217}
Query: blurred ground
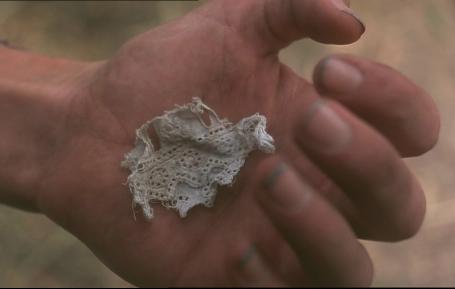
{"x": 415, "y": 37}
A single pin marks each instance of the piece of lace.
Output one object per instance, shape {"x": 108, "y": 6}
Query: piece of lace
{"x": 193, "y": 159}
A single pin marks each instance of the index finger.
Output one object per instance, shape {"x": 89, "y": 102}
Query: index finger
{"x": 392, "y": 103}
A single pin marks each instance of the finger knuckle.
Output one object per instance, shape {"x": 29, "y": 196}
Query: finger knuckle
{"x": 432, "y": 133}
{"x": 402, "y": 232}
{"x": 416, "y": 114}
{"x": 362, "y": 271}
{"x": 366, "y": 274}
{"x": 409, "y": 225}
{"x": 409, "y": 217}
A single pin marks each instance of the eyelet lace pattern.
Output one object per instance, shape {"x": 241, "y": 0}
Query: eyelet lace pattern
{"x": 194, "y": 158}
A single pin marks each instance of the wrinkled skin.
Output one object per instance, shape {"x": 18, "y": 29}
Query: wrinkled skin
{"x": 228, "y": 55}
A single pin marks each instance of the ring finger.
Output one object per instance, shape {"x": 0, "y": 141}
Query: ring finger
{"x": 319, "y": 235}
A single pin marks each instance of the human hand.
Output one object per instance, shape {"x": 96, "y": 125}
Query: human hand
{"x": 343, "y": 154}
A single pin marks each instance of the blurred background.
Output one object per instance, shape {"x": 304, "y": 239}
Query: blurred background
{"x": 415, "y": 37}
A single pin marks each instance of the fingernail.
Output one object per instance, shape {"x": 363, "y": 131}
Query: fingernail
{"x": 343, "y": 6}
{"x": 285, "y": 189}
{"x": 323, "y": 130}
{"x": 249, "y": 254}
{"x": 254, "y": 271}
{"x": 337, "y": 76}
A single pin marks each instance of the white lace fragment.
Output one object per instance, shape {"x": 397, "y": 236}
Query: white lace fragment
{"x": 193, "y": 159}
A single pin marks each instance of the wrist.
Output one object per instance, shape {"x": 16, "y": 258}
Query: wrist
{"x": 24, "y": 73}
{"x": 34, "y": 90}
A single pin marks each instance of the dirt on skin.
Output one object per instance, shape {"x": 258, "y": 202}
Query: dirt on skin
{"x": 415, "y": 37}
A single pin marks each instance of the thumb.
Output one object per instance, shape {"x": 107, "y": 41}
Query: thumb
{"x": 270, "y": 25}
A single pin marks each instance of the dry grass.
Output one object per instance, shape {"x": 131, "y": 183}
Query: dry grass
{"x": 416, "y": 37}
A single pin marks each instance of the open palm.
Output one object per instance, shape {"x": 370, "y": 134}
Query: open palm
{"x": 227, "y": 54}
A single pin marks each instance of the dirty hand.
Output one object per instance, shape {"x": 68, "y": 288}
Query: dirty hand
{"x": 293, "y": 218}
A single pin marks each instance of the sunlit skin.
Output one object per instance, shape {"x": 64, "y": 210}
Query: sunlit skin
{"x": 65, "y": 126}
